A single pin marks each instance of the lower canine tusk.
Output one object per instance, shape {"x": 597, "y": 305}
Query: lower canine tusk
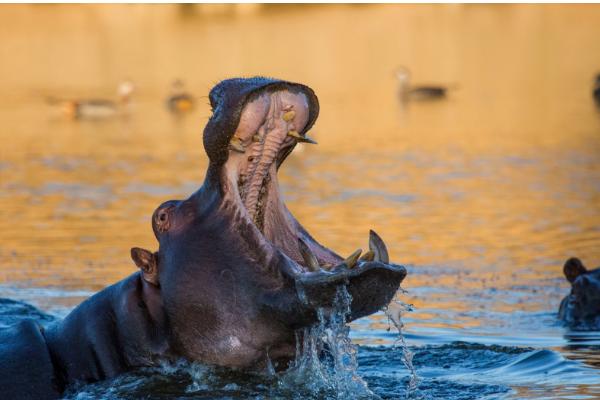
{"x": 309, "y": 258}
{"x": 377, "y": 246}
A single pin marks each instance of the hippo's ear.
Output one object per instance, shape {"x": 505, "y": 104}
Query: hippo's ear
{"x": 147, "y": 262}
{"x": 573, "y": 268}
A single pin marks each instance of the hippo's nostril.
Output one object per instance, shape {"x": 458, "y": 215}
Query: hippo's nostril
{"x": 161, "y": 220}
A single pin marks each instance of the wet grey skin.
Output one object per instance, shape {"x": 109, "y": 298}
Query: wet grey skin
{"x": 582, "y": 305}
{"x": 235, "y": 276}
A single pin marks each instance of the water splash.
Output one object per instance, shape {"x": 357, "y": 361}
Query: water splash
{"x": 200, "y": 375}
{"x": 394, "y": 313}
{"x": 325, "y": 363}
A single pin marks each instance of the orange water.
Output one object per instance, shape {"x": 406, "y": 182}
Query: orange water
{"x": 493, "y": 187}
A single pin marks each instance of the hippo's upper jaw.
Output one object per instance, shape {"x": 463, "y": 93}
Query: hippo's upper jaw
{"x": 256, "y": 124}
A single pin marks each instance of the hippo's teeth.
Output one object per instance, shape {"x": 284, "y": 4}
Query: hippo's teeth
{"x": 236, "y": 144}
{"x": 378, "y": 248}
{"x": 294, "y": 134}
{"x": 288, "y": 116}
{"x": 306, "y": 139}
{"x": 352, "y": 259}
{"x": 368, "y": 256}
{"x": 309, "y": 258}
{"x": 300, "y": 138}
{"x": 256, "y": 138}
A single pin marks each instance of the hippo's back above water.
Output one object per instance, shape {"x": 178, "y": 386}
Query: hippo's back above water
{"x": 24, "y": 353}
{"x": 13, "y": 311}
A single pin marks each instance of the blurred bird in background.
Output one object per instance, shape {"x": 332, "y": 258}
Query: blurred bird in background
{"x": 407, "y": 92}
{"x": 96, "y": 108}
{"x": 179, "y": 100}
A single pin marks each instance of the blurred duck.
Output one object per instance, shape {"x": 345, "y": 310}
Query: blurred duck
{"x": 179, "y": 101}
{"x": 97, "y": 108}
{"x": 597, "y": 90}
{"x": 423, "y": 92}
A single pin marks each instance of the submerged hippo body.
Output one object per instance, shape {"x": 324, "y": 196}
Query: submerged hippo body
{"x": 235, "y": 275}
{"x": 582, "y": 306}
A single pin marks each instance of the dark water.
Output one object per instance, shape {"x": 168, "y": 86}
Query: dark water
{"x": 483, "y": 195}
{"x": 335, "y": 368}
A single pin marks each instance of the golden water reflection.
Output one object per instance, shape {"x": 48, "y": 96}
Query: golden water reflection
{"x": 481, "y": 193}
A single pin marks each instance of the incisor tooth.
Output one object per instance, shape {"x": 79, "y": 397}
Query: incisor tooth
{"x": 294, "y": 134}
{"x": 377, "y": 246}
{"x": 352, "y": 259}
{"x": 300, "y": 138}
{"x": 368, "y": 256}
{"x": 327, "y": 266}
{"x": 306, "y": 139}
{"x": 309, "y": 258}
{"x": 236, "y": 144}
{"x": 288, "y": 116}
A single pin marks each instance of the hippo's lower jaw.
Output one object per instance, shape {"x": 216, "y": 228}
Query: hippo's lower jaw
{"x": 271, "y": 123}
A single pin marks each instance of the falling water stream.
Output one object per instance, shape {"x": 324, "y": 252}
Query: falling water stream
{"x": 325, "y": 356}
{"x": 394, "y": 313}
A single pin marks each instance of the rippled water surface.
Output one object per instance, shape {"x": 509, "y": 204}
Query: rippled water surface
{"x": 483, "y": 195}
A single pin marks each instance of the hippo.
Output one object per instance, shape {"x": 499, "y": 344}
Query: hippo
{"x": 235, "y": 277}
{"x": 582, "y": 306}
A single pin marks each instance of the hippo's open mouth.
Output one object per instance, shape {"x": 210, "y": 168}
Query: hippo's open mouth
{"x": 271, "y": 123}
{"x": 267, "y": 132}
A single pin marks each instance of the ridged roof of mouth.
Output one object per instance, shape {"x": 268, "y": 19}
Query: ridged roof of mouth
{"x": 262, "y": 121}
{"x": 271, "y": 123}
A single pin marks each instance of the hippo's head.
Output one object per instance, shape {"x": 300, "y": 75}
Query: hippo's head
{"x": 237, "y": 273}
{"x": 583, "y": 303}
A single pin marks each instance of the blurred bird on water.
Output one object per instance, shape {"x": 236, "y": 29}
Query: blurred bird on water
{"x": 96, "y": 108}
{"x": 179, "y": 100}
{"x": 407, "y": 92}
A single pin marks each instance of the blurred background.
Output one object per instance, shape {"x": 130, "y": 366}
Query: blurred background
{"x": 467, "y": 136}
